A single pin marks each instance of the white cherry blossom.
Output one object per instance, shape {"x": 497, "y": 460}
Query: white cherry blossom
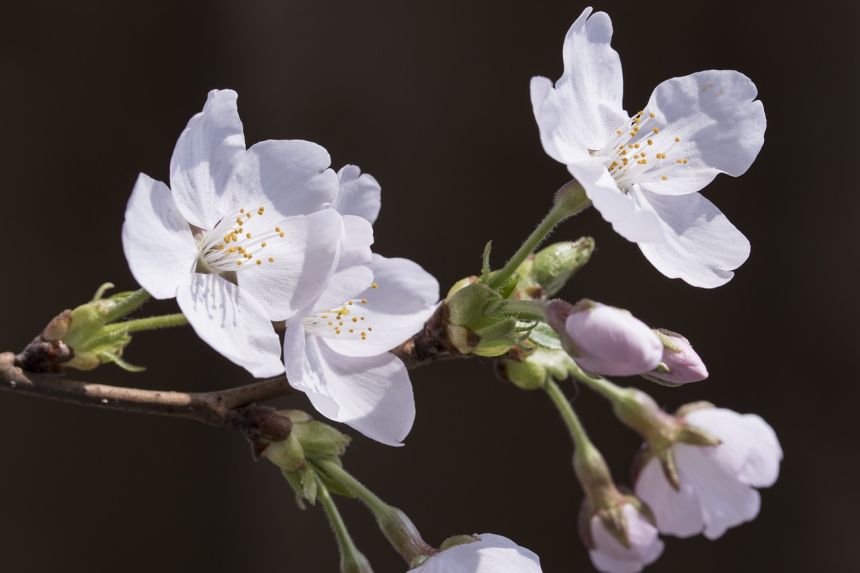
{"x": 717, "y": 483}
{"x": 609, "y": 555}
{"x": 643, "y": 173}
{"x": 338, "y": 350}
{"x": 490, "y": 554}
{"x": 241, "y": 237}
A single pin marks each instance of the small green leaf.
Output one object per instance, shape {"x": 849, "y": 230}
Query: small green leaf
{"x": 485, "y": 267}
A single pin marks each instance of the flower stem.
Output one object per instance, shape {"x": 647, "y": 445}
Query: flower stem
{"x": 570, "y": 200}
{"x": 351, "y": 559}
{"x": 602, "y": 386}
{"x": 568, "y": 415}
{"x": 527, "y": 309}
{"x": 588, "y": 463}
{"x": 395, "y": 525}
{"x": 149, "y": 323}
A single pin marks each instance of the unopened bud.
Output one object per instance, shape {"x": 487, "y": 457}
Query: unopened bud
{"x": 532, "y": 371}
{"x": 605, "y": 340}
{"x": 554, "y": 265}
{"x": 570, "y": 199}
{"x": 680, "y": 364}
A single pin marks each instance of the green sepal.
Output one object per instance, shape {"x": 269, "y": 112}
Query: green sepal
{"x": 544, "y": 336}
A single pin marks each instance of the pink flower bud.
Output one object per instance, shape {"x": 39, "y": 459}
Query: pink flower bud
{"x": 606, "y": 340}
{"x": 680, "y": 365}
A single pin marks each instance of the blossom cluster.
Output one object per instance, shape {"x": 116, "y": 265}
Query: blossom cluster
{"x": 268, "y": 253}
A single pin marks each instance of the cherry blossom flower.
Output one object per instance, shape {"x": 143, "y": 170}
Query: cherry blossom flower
{"x": 643, "y": 545}
{"x": 490, "y": 554}
{"x": 337, "y": 351}
{"x": 605, "y": 340}
{"x": 643, "y": 173}
{"x": 716, "y": 483}
{"x": 241, "y": 237}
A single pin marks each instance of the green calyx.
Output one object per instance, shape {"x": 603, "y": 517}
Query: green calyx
{"x": 88, "y": 330}
{"x": 309, "y": 444}
{"x": 480, "y": 324}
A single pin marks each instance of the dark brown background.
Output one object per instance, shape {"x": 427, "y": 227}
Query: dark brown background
{"x": 432, "y": 98}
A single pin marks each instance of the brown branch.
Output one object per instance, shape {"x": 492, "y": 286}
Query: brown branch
{"x": 225, "y": 408}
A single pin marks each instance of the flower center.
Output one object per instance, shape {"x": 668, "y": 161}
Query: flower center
{"x": 238, "y": 242}
{"x": 346, "y": 322}
{"x": 639, "y": 152}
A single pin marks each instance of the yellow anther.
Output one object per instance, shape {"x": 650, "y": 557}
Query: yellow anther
{"x": 370, "y": 329}
{"x": 259, "y": 262}
{"x": 263, "y": 245}
{"x": 271, "y": 259}
{"x": 651, "y": 115}
{"x": 247, "y": 235}
{"x": 282, "y": 234}
{"x": 364, "y": 301}
{"x": 664, "y": 177}
{"x": 374, "y": 284}
{"x": 650, "y": 141}
{"x": 677, "y": 139}
{"x": 238, "y": 263}
{"x": 351, "y": 330}
{"x": 277, "y": 229}
{"x": 636, "y": 145}
{"x": 656, "y": 130}
{"x": 261, "y": 210}
{"x": 337, "y": 331}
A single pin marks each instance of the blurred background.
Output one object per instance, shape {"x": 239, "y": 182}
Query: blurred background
{"x": 431, "y": 98}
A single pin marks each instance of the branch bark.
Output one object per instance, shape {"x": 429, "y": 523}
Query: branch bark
{"x": 217, "y": 408}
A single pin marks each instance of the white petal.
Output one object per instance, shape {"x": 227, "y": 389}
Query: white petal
{"x": 360, "y": 194}
{"x": 156, "y": 239}
{"x": 202, "y": 159}
{"x": 676, "y": 512}
{"x": 371, "y": 394}
{"x": 719, "y": 124}
{"x": 584, "y": 109}
{"x": 491, "y": 554}
{"x": 611, "y": 556}
{"x": 344, "y": 285}
{"x": 628, "y": 218}
{"x": 725, "y": 500}
{"x": 700, "y": 244}
{"x": 231, "y": 322}
{"x": 304, "y": 260}
{"x": 293, "y": 176}
{"x": 729, "y": 427}
{"x": 405, "y": 297}
{"x": 357, "y": 239}
{"x": 762, "y": 466}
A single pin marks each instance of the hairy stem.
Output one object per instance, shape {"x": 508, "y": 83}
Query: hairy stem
{"x": 570, "y": 201}
{"x": 351, "y": 559}
{"x": 394, "y": 524}
{"x": 149, "y": 323}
